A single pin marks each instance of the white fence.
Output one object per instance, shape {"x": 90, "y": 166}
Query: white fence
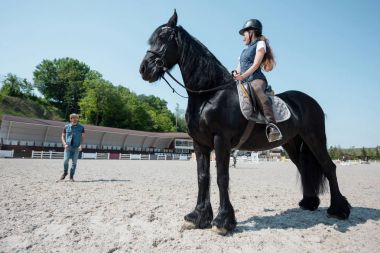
{"x": 47, "y": 155}
{"x": 6, "y": 153}
{"x": 112, "y": 156}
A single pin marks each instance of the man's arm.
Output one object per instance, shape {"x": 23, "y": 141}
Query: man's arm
{"x": 63, "y": 137}
{"x": 82, "y": 142}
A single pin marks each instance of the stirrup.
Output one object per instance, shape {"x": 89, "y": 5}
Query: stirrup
{"x": 277, "y": 137}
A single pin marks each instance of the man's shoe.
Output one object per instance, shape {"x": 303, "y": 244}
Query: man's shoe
{"x": 71, "y": 179}
{"x": 63, "y": 176}
{"x": 273, "y": 133}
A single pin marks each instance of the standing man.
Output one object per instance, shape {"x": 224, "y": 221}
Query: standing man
{"x": 72, "y": 139}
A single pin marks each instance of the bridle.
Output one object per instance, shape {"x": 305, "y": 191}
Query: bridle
{"x": 160, "y": 56}
{"x": 161, "y": 64}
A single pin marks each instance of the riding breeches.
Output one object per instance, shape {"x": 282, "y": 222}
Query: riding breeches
{"x": 265, "y": 104}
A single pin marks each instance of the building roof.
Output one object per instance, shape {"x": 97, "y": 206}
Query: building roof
{"x": 49, "y": 131}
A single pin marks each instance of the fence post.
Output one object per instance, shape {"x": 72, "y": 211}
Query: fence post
{"x": 149, "y": 157}
{"x": 108, "y": 156}
{"x": 50, "y": 154}
{"x": 42, "y": 153}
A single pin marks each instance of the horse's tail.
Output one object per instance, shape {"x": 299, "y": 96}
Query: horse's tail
{"x": 312, "y": 137}
{"x": 312, "y": 176}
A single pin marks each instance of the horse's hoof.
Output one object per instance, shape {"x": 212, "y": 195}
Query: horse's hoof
{"x": 219, "y": 231}
{"x": 309, "y": 203}
{"x": 187, "y": 226}
{"x": 339, "y": 216}
{"x": 340, "y": 209}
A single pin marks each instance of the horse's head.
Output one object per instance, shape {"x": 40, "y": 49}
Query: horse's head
{"x": 163, "y": 52}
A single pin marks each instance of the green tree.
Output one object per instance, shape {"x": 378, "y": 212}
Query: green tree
{"x": 102, "y": 104}
{"x": 162, "y": 118}
{"x": 141, "y": 118}
{"x": 61, "y": 81}
{"x": 16, "y": 87}
{"x": 333, "y": 152}
{"x": 364, "y": 153}
{"x": 377, "y": 153}
{"x": 155, "y": 102}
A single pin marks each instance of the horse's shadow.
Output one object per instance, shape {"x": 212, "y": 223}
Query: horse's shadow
{"x": 102, "y": 180}
{"x": 297, "y": 218}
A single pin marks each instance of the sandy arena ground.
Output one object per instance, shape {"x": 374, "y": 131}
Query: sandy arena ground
{"x": 138, "y": 206}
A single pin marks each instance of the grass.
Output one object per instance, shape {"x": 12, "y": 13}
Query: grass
{"x": 26, "y": 107}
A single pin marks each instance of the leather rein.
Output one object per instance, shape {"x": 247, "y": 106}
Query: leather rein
{"x": 161, "y": 64}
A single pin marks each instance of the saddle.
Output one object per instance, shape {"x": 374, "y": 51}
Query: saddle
{"x": 250, "y": 109}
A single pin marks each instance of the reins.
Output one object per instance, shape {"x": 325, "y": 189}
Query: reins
{"x": 160, "y": 63}
{"x": 222, "y": 87}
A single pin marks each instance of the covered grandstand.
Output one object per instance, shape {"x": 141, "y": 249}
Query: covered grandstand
{"x": 24, "y": 135}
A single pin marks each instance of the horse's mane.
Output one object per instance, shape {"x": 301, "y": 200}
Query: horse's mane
{"x": 200, "y": 68}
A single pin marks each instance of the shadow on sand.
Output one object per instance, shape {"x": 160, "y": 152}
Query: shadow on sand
{"x": 297, "y": 218}
{"x": 101, "y": 180}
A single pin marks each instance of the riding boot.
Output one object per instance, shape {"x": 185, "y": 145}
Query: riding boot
{"x": 272, "y": 131}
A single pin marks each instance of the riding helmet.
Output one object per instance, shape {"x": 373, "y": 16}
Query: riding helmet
{"x": 252, "y": 24}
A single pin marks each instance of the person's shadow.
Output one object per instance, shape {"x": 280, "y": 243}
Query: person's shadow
{"x": 297, "y": 218}
{"x": 102, "y": 180}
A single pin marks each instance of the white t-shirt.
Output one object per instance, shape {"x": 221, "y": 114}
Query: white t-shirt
{"x": 261, "y": 44}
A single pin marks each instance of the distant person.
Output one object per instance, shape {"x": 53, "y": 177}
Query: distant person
{"x": 234, "y": 154}
{"x": 72, "y": 139}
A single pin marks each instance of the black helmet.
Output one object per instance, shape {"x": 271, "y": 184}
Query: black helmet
{"x": 252, "y": 24}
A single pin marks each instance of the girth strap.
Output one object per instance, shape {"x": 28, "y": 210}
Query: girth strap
{"x": 247, "y": 132}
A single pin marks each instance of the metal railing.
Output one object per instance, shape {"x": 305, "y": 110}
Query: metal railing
{"x": 112, "y": 156}
{"x": 47, "y": 155}
{"x": 6, "y": 153}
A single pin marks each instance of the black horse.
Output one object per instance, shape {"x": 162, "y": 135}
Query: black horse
{"x": 215, "y": 121}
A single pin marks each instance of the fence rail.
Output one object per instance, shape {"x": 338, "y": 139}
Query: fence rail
{"x": 47, "y": 155}
{"x": 112, "y": 156}
{"x": 6, "y": 153}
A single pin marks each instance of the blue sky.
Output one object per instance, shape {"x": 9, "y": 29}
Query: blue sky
{"x": 327, "y": 49}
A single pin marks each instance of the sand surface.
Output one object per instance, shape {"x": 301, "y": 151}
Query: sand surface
{"x": 138, "y": 206}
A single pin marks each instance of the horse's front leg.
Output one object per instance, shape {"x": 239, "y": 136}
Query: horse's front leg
{"x": 225, "y": 220}
{"x": 202, "y": 215}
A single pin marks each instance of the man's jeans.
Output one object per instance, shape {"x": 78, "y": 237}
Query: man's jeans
{"x": 72, "y": 153}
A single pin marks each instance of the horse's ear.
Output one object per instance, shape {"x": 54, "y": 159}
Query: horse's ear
{"x": 173, "y": 20}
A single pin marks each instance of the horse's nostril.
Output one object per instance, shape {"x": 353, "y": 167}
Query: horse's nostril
{"x": 142, "y": 69}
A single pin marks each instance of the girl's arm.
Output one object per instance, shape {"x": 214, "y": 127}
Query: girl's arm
{"x": 256, "y": 64}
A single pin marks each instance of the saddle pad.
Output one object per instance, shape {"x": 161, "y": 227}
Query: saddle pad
{"x": 280, "y": 109}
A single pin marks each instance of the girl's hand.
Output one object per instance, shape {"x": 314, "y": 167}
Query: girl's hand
{"x": 238, "y": 77}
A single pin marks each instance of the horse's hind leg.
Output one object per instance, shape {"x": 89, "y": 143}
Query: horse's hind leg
{"x": 316, "y": 142}
{"x": 202, "y": 215}
{"x": 309, "y": 170}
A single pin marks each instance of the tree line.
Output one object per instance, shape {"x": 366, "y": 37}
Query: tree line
{"x": 354, "y": 153}
{"x": 73, "y": 87}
